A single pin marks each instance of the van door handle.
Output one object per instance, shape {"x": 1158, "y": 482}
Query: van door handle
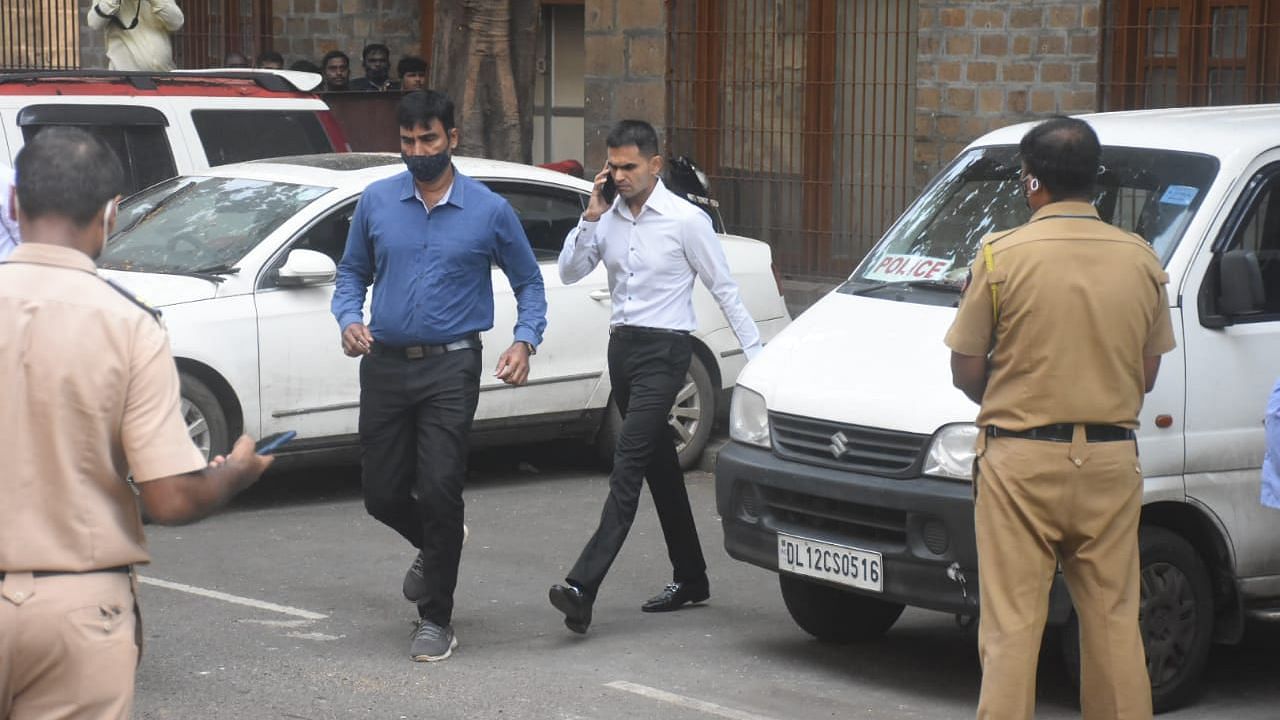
{"x": 598, "y": 295}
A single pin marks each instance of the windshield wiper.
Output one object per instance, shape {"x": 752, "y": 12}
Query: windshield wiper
{"x": 907, "y": 284}
{"x": 214, "y": 273}
{"x": 155, "y": 208}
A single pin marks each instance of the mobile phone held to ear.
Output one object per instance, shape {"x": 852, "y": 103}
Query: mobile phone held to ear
{"x": 610, "y": 189}
{"x": 272, "y": 443}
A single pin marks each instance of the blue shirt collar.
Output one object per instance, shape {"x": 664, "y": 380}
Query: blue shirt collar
{"x": 408, "y": 191}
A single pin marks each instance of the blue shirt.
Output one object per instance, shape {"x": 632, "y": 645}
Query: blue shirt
{"x": 431, "y": 272}
{"x": 1271, "y": 461}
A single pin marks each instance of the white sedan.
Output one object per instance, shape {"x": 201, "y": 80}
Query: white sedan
{"x": 241, "y": 260}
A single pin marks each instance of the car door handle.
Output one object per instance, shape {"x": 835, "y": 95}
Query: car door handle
{"x": 598, "y": 295}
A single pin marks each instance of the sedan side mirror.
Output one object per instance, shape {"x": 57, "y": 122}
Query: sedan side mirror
{"x": 305, "y": 268}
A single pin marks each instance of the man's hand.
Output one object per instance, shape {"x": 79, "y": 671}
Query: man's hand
{"x": 356, "y": 340}
{"x": 513, "y": 366}
{"x": 179, "y": 499}
{"x": 598, "y": 205}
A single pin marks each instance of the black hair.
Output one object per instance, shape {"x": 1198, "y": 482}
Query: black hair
{"x": 364, "y": 54}
{"x": 331, "y": 55}
{"x": 420, "y": 107}
{"x": 271, "y": 56}
{"x": 66, "y": 172}
{"x": 410, "y": 64}
{"x": 634, "y": 132}
{"x": 1064, "y": 154}
{"x": 305, "y": 66}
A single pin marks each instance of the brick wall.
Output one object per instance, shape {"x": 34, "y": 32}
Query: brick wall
{"x": 307, "y": 29}
{"x": 626, "y": 68}
{"x": 983, "y": 64}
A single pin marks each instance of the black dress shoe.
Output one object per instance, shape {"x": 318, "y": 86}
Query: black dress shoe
{"x": 677, "y": 594}
{"x": 575, "y": 604}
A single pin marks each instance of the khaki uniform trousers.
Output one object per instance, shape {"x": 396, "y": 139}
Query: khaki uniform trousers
{"x": 1039, "y": 503}
{"x": 67, "y": 646}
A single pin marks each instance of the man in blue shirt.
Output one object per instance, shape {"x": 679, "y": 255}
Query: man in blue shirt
{"x": 1271, "y": 461}
{"x": 425, "y": 240}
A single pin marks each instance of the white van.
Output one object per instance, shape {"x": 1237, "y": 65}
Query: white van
{"x": 162, "y": 125}
{"x": 851, "y": 445}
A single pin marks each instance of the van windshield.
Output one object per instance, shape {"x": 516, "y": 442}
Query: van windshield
{"x": 200, "y": 224}
{"x": 1153, "y": 193}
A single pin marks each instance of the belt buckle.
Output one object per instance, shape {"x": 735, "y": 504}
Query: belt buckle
{"x": 415, "y": 352}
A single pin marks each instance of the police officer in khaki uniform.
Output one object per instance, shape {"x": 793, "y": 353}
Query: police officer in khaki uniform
{"x": 88, "y": 393}
{"x": 1058, "y": 337}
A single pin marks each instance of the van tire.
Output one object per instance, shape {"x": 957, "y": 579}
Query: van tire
{"x": 701, "y": 402}
{"x": 1175, "y": 582}
{"x": 834, "y": 615}
{"x": 203, "y": 416}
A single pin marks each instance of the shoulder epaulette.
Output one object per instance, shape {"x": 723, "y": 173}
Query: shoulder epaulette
{"x": 154, "y": 313}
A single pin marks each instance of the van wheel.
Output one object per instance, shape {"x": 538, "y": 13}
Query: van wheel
{"x": 201, "y": 411}
{"x": 1176, "y": 618}
{"x": 834, "y": 615}
{"x": 691, "y": 418}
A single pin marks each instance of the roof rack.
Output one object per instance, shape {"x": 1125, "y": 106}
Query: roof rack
{"x": 272, "y": 80}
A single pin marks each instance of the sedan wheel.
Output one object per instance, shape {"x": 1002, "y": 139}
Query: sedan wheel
{"x": 201, "y": 411}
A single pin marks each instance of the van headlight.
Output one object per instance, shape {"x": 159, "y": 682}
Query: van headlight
{"x": 748, "y": 419}
{"x": 952, "y": 452}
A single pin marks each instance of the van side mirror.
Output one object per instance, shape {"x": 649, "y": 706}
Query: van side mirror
{"x": 1240, "y": 289}
{"x": 306, "y": 267}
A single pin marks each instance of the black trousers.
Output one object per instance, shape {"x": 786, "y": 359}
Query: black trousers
{"x": 647, "y": 370}
{"x": 415, "y": 423}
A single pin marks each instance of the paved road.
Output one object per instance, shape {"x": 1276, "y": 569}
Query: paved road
{"x": 333, "y": 642}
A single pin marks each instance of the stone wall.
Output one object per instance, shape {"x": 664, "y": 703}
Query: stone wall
{"x": 626, "y": 68}
{"x": 307, "y": 29}
{"x": 983, "y": 64}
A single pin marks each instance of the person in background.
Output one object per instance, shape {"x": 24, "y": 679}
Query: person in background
{"x": 271, "y": 60}
{"x": 235, "y": 59}
{"x": 1271, "y": 461}
{"x": 336, "y": 68}
{"x": 413, "y": 73}
{"x": 376, "y": 59}
{"x": 9, "y": 236}
{"x": 137, "y": 32}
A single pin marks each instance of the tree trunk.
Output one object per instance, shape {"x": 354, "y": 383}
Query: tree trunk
{"x": 484, "y": 60}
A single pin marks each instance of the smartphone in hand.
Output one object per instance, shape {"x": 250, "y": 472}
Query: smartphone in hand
{"x": 610, "y": 189}
{"x": 272, "y": 443}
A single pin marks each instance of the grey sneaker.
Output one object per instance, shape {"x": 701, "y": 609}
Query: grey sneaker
{"x": 431, "y": 642}
{"x": 415, "y": 583}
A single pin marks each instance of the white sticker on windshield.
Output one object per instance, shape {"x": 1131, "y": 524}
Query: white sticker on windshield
{"x": 894, "y": 268}
{"x": 1179, "y": 195}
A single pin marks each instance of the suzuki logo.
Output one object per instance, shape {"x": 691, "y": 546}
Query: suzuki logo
{"x": 839, "y": 445}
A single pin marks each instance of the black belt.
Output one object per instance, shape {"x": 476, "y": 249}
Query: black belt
{"x": 624, "y": 330}
{"x": 1062, "y": 432}
{"x": 417, "y": 352}
{"x": 50, "y": 573}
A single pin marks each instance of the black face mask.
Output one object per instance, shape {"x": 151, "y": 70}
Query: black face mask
{"x": 427, "y": 168}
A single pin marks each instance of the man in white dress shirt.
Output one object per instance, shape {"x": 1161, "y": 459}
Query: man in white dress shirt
{"x": 652, "y": 243}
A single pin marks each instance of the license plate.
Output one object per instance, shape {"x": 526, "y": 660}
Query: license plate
{"x": 861, "y": 569}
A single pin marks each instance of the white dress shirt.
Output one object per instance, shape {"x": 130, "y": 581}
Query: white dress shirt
{"x": 8, "y": 226}
{"x": 146, "y": 46}
{"x": 651, "y": 259}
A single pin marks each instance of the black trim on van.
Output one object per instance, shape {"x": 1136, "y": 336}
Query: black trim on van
{"x": 69, "y": 114}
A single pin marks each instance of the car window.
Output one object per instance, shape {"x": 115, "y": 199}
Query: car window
{"x": 547, "y": 214}
{"x": 1258, "y": 232}
{"x": 1151, "y": 192}
{"x": 143, "y": 151}
{"x": 230, "y": 136}
{"x": 200, "y": 224}
{"x": 328, "y": 236}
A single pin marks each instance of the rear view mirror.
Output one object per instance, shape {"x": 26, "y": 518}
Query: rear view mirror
{"x": 1240, "y": 290}
{"x": 306, "y": 267}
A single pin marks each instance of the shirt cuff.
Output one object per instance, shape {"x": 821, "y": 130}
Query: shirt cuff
{"x": 526, "y": 335}
{"x": 348, "y": 318}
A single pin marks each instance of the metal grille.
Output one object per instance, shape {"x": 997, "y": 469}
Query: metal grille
{"x": 849, "y": 447}
{"x": 214, "y": 28}
{"x": 1171, "y": 53}
{"x": 802, "y": 113}
{"x": 850, "y": 521}
{"x": 39, "y": 34}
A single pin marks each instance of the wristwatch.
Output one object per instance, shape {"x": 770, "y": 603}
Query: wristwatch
{"x": 529, "y": 346}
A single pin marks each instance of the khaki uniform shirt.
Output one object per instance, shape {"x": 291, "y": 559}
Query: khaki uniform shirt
{"x": 1081, "y": 303}
{"x": 88, "y": 391}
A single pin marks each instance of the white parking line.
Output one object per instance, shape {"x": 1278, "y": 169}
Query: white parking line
{"x": 687, "y": 702}
{"x": 236, "y": 599}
